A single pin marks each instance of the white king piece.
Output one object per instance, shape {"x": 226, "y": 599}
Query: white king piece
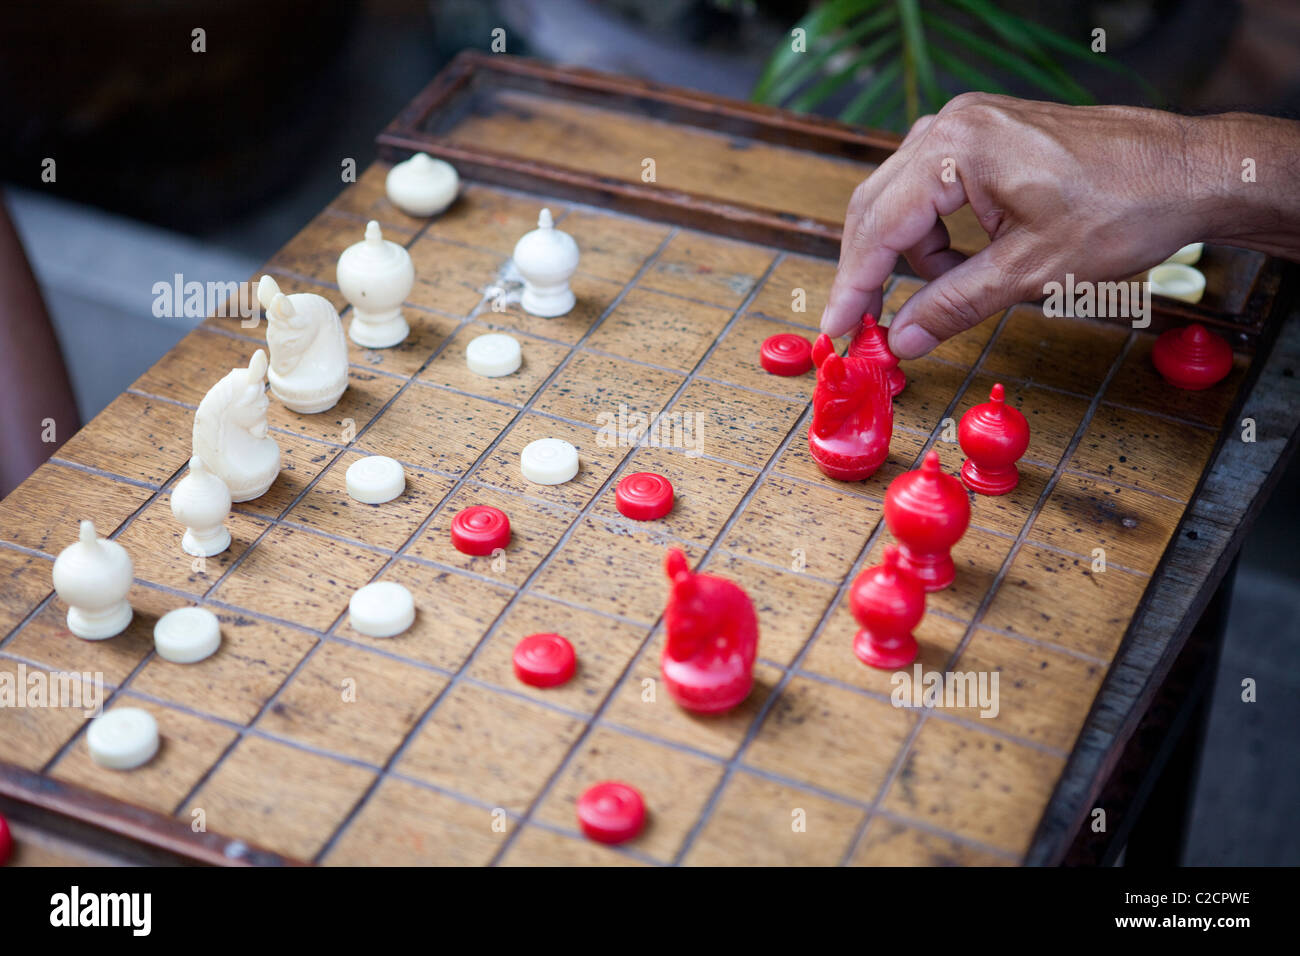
{"x": 93, "y": 577}
{"x": 376, "y": 276}
{"x": 231, "y": 434}
{"x": 309, "y": 355}
{"x": 546, "y": 258}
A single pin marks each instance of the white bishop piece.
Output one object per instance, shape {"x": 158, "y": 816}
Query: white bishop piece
{"x": 309, "y": 355}
{"x": 546, "y": 258}
{"x": 376, "y": 276}
{"x": 93, "y": 577}
{"x": 422, "y": 186}
{"x": 201, "y": 501}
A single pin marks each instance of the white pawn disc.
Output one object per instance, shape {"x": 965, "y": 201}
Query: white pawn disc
{"x": 123, "y": 738}
{"x": 549, "y": 461}
{"x": 1176, "y": 281}
{"x": 187, "y": 635}
{"x": 375, "y": 479}
{"x": 493, "y": 355}
{"x": 382, "y": 609}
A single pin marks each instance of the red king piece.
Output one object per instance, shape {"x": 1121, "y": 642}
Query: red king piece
{"x": 887, "y": 604}
{"x": 927, "y": 511}
{"x": 544, "y": 660}
{"x": 1192, "y": 357}
{"x": 712, "y": 639}
{"x": 644, "y": 496}
{"x": 480, "y": 529}
{"x": 611, "y": 812}
{"x": 853, "y": 414}
{"x": 871, "y": 343}
{"x": 786, "y": 354}
{"x": 994, "y": 436}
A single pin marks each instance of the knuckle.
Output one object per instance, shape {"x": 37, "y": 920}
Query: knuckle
{"x": 954, "y": 310}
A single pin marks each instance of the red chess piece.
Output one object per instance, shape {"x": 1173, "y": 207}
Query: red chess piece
{"x": 853, "y": 414}
{"x": 785, "y": 354}
{"x": 6, "y": 840}
{"x": 1192, "y": 357}
{"x": 872, "y": 344}
{"x": 927, "y": 511}
{"x": 611, "y": 812}
{"x": 712, "y": 639}
{"x": 888, "y": 604}
{"x": 994, "y": 436}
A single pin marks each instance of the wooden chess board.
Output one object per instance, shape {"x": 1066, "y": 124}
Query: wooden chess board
{"x": 438, "y": 754}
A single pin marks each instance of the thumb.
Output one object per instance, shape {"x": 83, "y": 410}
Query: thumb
{"x": 962, "y": 297}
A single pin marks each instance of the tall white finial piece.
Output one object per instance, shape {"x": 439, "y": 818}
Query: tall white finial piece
{"x": 93, "y": 577}
{"x": 546, "y": 259}
{"x": 545, "y": 220}
{"x": 88, "y": 535}
{"x": 373, "y": 233}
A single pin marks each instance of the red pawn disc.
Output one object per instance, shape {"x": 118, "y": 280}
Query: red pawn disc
{"x": 480, "y": 529}
{"x": 544, "y": 660}
{"x": 644, "y": 496}
{"x": 1193, "y": 357}
{"x": 887, "y": 604}
{"x": 6, "y": 840}
{"x": 871, "y": 343}
{"x": 927, "y": 511}
{"x": 611, "y": 812}
{"x": 786, "y": 354}
{"x": 994, "y": 436}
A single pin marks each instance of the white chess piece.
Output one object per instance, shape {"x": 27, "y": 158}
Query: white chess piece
{"x": 201, "y": 501}
{"x": 376, "y": 276}
{"x": 546, "y": 258}
{"x": 422, "y": 185}
{"x": 309, "y": 355}
{"x": 93, "y": 577}
{"x": 231, "y": 433}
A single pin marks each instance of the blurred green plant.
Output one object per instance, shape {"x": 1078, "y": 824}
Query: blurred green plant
{"x": 896, "y": 51}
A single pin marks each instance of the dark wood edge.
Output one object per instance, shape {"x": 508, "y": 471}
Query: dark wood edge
{"x": 1230, "y": 496}
{"x": 804, "y": 235}
{"x": 148, "y": 827}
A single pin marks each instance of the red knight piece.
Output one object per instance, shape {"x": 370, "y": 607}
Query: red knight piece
{"x": 712, "y": 639}
{"x": 994, "y": 436}
{"x": 927, "y": 511}
{"x": 871, "y": 343}
{"x": 853, "y": 414}
{"x": 888, "y": 604}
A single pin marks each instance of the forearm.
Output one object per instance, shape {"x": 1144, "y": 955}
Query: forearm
{"x": 1244, "y": 172}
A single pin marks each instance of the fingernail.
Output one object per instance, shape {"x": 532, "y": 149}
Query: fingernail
{"x": 911, "y": 341}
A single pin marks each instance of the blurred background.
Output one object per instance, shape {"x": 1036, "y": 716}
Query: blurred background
{"x": 171, "y": 161}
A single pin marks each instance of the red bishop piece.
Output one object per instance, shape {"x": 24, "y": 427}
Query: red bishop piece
{"x": 6, "y": 840}
{"x": 871, "y": 343}
{"x": 480, "y": 529}
{"x": 994, "y": 436}
{"x": 887, "y": 604}
{"x": 927, "y": 511}
{"x": 786, "y": 354}
{"x": 712, "y": 639}
{"x": 611, "y": 812}
{"x": 544, "y": 660}
{"x": 853, "y": 414}
{"x": 1192, "y": 357}
{"x": 644, "y": 496}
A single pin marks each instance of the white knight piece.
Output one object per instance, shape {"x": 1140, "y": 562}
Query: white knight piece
{"x": 231, "y": 435}
{"x": 309, "y": 355}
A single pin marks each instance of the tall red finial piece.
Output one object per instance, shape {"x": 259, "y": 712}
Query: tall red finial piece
{"x": 872, "y": 344}
{"x": 887, "y": 604}
{"x": 853, "y": 415}
{"x": 1193, "y": 358}
{"x": 712, "y": 639}
{"x": 927, "y": 511}
{"x": 994, "y": 436}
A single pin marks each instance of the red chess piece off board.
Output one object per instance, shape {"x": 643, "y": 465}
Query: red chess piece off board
{"x": 6, "y": 840}
{"x": 994, "y": 436}
{"x": 1193, "y": 357}
{"x": 853, "y": 415}
{"x": 887, "y": 604}
{"x": 927, "y": 512}
{"x": 712, "y": 639}
{"x": 871, "y": 344}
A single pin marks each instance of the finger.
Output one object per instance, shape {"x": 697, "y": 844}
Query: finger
{"x": 955, "y": 301}
{"x": 933, "y": 255}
